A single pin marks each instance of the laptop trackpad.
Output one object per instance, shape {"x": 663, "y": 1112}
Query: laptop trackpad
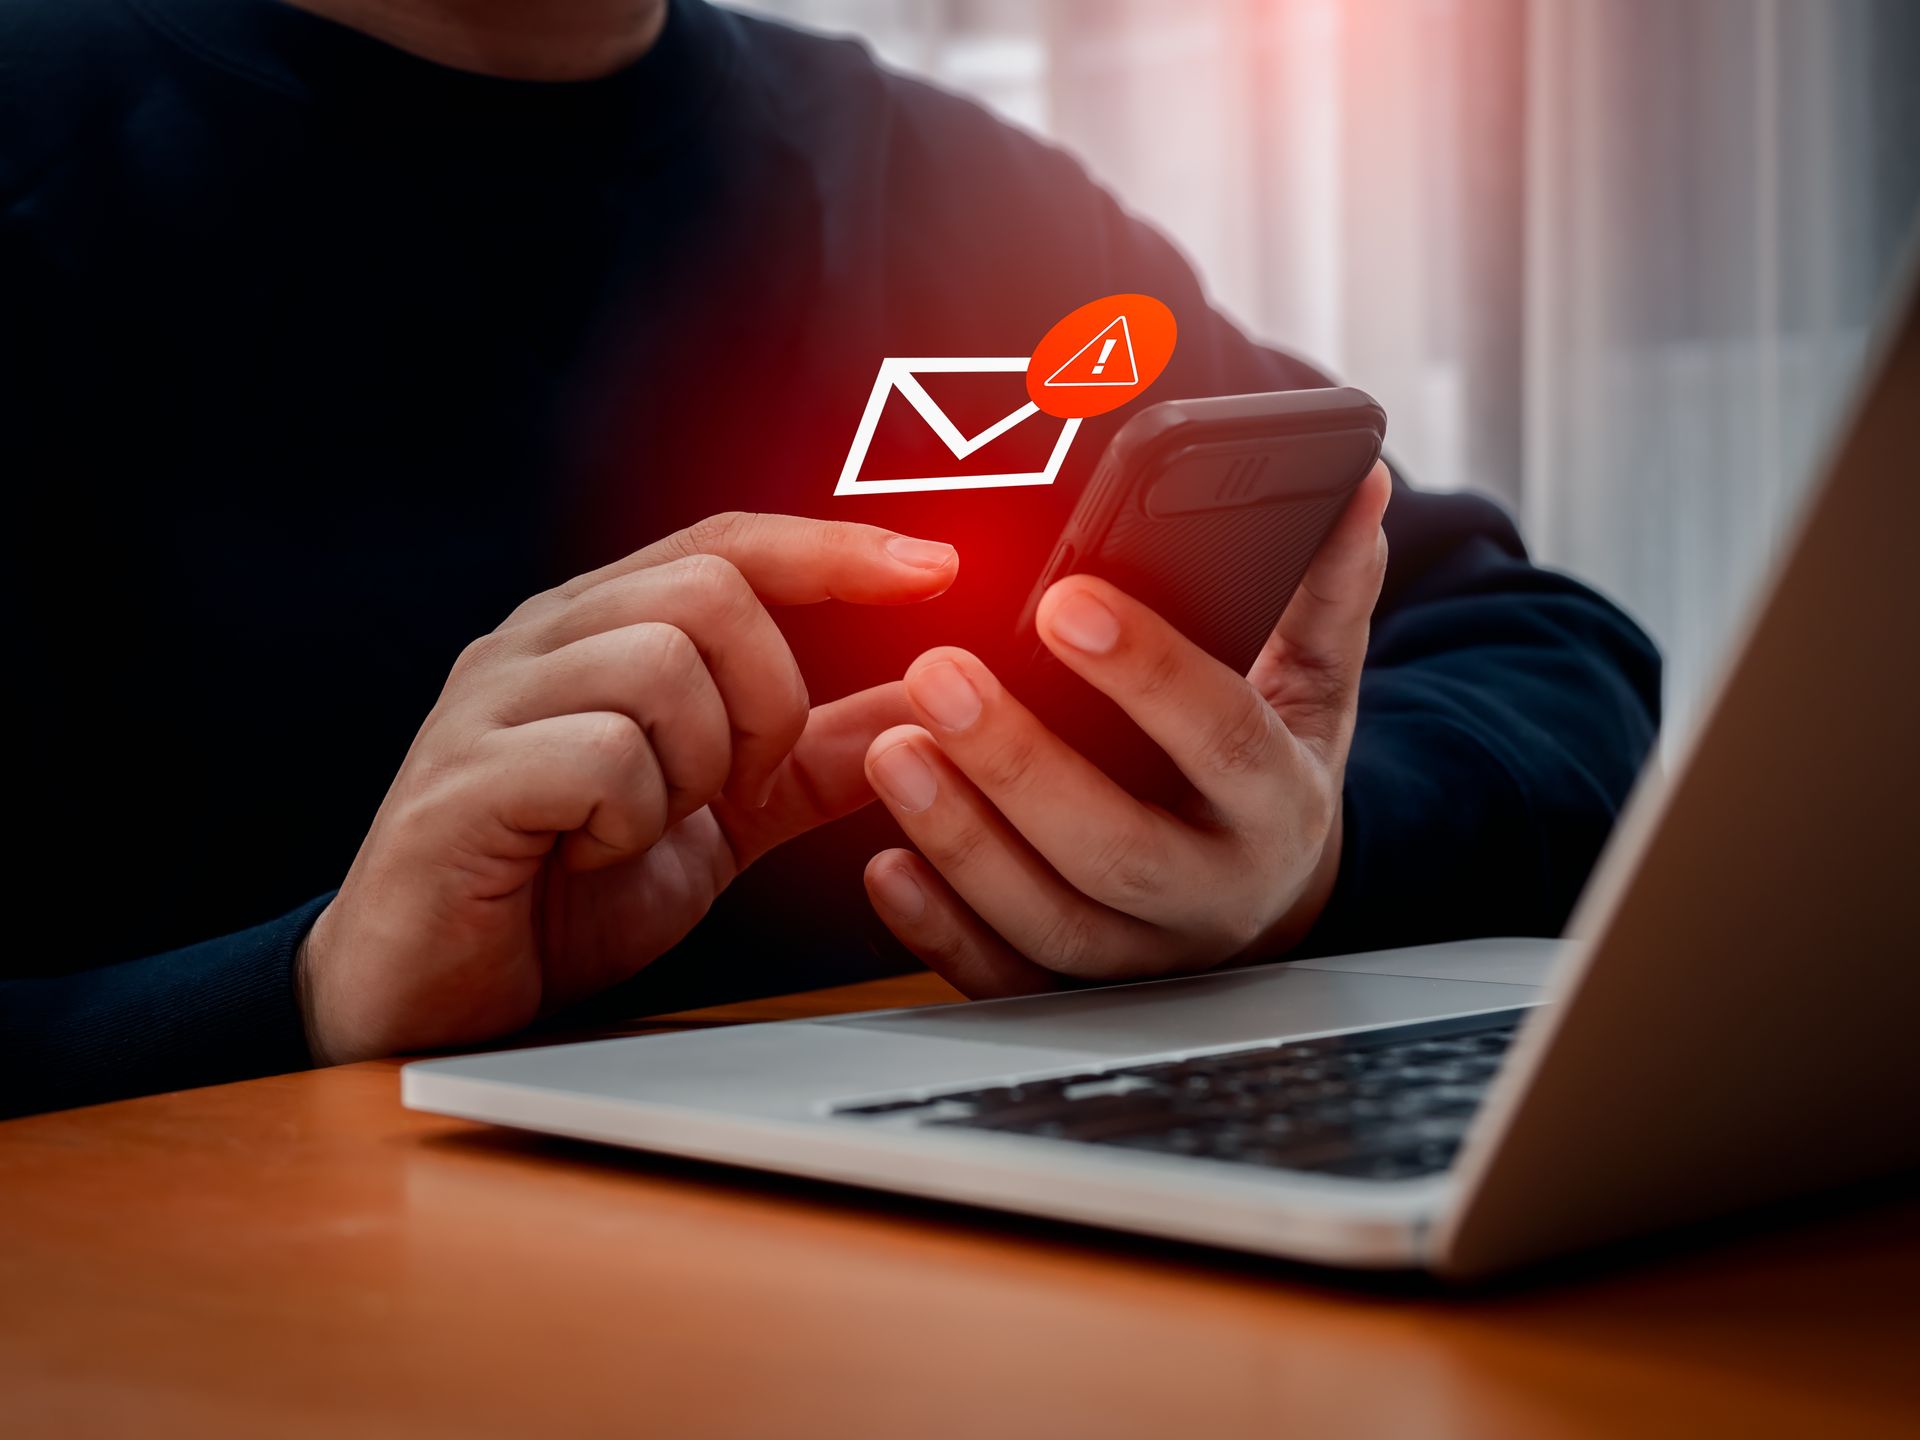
{"x": 1219, "y": 1009}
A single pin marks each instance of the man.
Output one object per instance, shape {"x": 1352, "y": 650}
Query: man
{"x": 329, "y": 335}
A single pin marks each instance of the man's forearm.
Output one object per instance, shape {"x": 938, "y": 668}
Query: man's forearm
{"x": 225, "y": 1009}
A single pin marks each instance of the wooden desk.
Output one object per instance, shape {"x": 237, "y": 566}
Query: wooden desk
{"x": 300, "y": 1256}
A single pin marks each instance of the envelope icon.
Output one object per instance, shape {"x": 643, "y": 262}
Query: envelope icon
{"x": 902, "y": 375}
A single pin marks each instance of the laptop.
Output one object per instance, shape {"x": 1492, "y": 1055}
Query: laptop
{"x": 1731, "y": 1019}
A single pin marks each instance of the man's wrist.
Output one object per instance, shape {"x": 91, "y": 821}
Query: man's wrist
{"x": 318, "y": 1049}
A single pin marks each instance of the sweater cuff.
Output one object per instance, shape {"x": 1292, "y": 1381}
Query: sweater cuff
{"x": 225, "y": 1009}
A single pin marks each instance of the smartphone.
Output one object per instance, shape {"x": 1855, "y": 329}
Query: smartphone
{"x": 1209, "y": 512}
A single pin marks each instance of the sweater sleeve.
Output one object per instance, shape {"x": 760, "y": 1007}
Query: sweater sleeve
{"x": 1504, "y": 714}
{"x": 225, "y": 1009}
{"x": 222, "y": 1009}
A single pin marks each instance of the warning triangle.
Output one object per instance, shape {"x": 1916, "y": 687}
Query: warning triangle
{"x": 1107, "y": 359}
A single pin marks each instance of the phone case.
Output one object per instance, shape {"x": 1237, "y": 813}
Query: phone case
{"x": 1208, "y": 511}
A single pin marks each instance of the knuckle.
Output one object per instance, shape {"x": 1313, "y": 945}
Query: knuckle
{"x": 665, "y": 652}
{"x": 450, "y": 780}
{"x": 1121, "y": 867}
{"x": 1241, "y": 740}
{"x": 1012, "y": 766}
{"x": 943, "y": 941}
{"x": 536, "y": 606}
{"x": 1329, "y": 684}
{"x": 478, "y": 654}
{"x": 1159, "y": 675}
{"x": 1068, "y": 943}
{"x": 963, "y": 847}
{"x": 715, "y": 581}
{"x": 613, "y": 738}
{"x": 714, "y": 532}
{"x": 569, "y": 589}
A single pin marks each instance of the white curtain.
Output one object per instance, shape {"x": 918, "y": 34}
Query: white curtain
{"x": 1610, "y": 261}
{"x": 1717, "y": 190}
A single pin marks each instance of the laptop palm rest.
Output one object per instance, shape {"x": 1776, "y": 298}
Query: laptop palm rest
{"x": 1228, "y": 1008}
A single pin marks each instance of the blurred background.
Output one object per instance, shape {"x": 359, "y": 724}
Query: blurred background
{"x": 1612, "y": 262}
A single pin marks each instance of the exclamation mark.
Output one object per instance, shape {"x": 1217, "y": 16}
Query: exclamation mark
{"x": 1105, "y": 350}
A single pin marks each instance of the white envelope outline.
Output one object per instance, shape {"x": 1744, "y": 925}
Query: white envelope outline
{"x": 900, "y": 374}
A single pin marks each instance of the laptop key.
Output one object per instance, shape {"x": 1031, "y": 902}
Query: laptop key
{"x": 1387, "y": 1104}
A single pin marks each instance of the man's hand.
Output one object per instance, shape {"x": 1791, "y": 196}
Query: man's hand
{"x": 1037, "y": 866}
{"x": 594, "y": 774}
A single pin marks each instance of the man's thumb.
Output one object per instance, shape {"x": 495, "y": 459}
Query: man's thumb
{"x": 824, "y": 775}
{"x": 1310, "y": 670}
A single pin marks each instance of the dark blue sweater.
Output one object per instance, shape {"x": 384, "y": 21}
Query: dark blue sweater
{"x": 315, "y": 359}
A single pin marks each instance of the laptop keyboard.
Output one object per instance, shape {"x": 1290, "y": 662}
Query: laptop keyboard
{"x": 1387, "y": 1104}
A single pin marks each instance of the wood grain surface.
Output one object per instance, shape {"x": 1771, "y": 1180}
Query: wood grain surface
{"x": 300, "y": 1256}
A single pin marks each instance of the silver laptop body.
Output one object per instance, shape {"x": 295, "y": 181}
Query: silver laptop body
{"x": 1732, "y": 1020}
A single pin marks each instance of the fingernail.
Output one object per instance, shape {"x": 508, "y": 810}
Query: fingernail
{"x": 945, "y": 693}
{"x": 904, "y": 778}
{"x": 763, "y": 792}
{"x": 900, "y": 893}
{"x": 921, "y": 554}
{"x": 1084, "y": 623}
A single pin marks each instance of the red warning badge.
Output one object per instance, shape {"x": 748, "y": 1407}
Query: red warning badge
{"x": 1101, "y": 356}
